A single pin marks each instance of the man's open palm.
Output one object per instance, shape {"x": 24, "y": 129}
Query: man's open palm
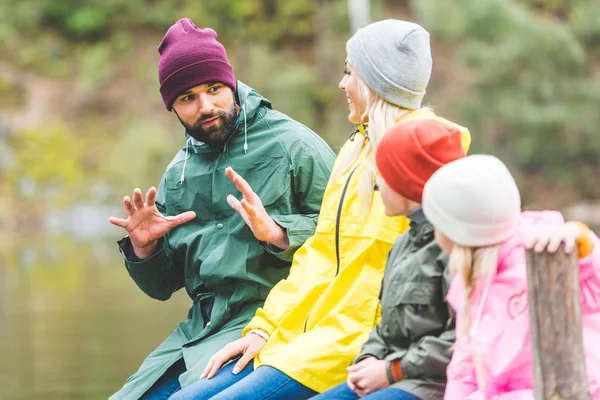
{"x": 145, "y": 224}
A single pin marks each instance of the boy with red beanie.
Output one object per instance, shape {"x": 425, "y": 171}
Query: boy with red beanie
{"x": 193, "y": 233}
{"x": 406, "y": 355}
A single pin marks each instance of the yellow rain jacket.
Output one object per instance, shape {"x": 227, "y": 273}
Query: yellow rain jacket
{"x": 319, "y": 316}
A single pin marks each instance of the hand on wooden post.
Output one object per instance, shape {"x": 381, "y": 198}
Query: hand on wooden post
{"x": 550, "y": 239}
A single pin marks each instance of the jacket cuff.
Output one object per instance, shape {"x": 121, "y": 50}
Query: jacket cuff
{"x": 260, "y": 333}
{"x": 298, "y": 229}
{"x": 138, "y": 266}
{"x": 126, "y": 249}
{"x": 393, "y": 371}
{"x": 377, "y": 354}
{"x": 399, "y": 355}
{"x": 259, "y": 323}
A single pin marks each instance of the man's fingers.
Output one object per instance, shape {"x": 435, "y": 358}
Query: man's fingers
{"x": 118, "y": 222}
{"x": 237, "y": 206}
{"x": 138, "y": 201}
{"x": 230, "y": 173}
{"x": 151, "y": 197}
{"x": 182, "y": 218}
{"x": 248, "y": 208}
{"x": 244, "y": 187}
{"x": 128, "y": 206}
{"x": 234, "y": 203}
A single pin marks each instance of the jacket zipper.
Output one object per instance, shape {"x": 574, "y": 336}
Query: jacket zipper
{"x": 338, "y": 221}
{"x": 337, "y": 231}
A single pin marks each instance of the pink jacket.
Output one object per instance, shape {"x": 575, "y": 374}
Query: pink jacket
{"x": 502, "y": 334}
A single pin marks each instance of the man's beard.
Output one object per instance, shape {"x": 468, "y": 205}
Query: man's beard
{"x": 217, "y": 134}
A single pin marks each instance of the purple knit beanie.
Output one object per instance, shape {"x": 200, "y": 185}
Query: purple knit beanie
{"x": 190, "y": 56}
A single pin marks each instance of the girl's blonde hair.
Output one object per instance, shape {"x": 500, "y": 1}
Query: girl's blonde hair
{"x": 474, "y": 264}
{"x": 381, "y": 116}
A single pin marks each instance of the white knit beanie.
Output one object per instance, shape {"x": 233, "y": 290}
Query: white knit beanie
{"x": 474, "y": 201}
{"x": 393, "y": 57}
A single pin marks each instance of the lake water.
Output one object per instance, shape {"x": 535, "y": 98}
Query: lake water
{"x": 73, "y": 324}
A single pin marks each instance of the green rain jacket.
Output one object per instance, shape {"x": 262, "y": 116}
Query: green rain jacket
{"x": 417, "y": 324}
{"x": 215, "y": 257}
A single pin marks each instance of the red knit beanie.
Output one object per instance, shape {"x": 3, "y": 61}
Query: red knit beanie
{"x": 411, "y": 151}
{"x": 190, "y": 56}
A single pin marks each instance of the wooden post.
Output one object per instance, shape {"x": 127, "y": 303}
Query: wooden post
{"x": 556, "y": 331}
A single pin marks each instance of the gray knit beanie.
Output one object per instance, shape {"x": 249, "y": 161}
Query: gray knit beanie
{"x": 393, "y": 57}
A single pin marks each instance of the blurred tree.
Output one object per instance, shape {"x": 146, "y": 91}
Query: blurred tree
{"x": 360, "y": 13}
{"x": 533, "y": 97}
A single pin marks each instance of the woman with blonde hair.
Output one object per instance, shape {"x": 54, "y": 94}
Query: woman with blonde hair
{"x": 314, "y": 322}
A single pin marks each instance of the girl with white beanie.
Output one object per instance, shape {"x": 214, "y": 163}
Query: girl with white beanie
{"x": 474, "y": 205}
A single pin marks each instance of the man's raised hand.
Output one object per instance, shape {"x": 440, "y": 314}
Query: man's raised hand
{"x": 254, "y": 214}
{"x": 145, "y": 224}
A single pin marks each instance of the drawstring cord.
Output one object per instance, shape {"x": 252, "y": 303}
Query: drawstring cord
{"x": 362, "y": 128}
{"x": 245, "y": 131}
{"x": 187, "y": 146}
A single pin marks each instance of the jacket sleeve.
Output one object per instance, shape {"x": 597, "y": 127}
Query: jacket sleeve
{"x": 157, "y": 275}
{"x": 311, "y": 168}
{"x": 375, "y": 345}
{"x": 460, "y": 374}
{"x": 281, "y": 299}
{"x": 430, "y": 355}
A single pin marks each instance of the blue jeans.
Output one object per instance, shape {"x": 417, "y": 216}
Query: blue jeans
{"x": 207, "y": 388}
{"x": 167, "y": 384}
{"x": 265, "y": 383}
{"x": 343, "y": 392}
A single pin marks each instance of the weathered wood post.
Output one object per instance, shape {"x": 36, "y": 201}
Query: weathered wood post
{"x": 556, "y": 331}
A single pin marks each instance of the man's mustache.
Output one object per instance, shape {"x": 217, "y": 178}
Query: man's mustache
{"x": 207, "y": 117}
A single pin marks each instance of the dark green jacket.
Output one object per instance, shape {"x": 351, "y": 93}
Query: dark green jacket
{"x": 417, "y": 325}
{"x": 215, "y": 256}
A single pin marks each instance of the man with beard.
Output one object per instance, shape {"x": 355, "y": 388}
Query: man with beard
{"x": 193, "y": 232}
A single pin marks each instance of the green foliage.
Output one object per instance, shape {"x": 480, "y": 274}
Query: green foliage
{"x": 97, "y": 66}
{"x": 533, "y": 97}
{"x": 47, "y": 164}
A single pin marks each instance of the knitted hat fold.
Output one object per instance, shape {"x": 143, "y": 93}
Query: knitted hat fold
{"x": 411, "y": 151}
{"x": 190, "y": 56}
{"x": 473, "y": 201}
{"x": 393, "y": 57}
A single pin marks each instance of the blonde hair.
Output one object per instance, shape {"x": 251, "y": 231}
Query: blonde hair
{"x": 381, "y": 115}
{"x": 473, "y": 264}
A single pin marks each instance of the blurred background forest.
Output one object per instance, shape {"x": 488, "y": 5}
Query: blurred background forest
{"x": 82, "y": 124}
